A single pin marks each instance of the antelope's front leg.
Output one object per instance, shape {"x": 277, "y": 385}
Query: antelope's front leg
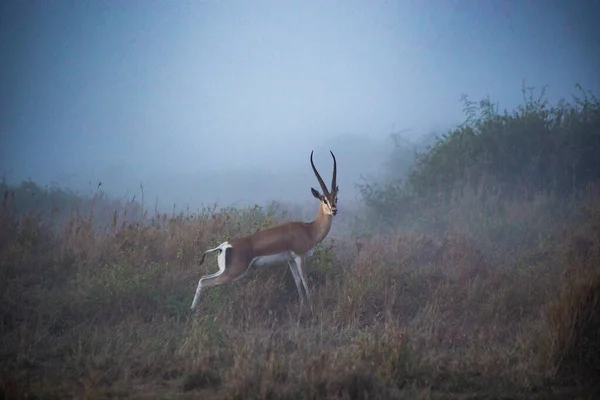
{"x": 296, "y": 275}
{"x": 301, "y": 264}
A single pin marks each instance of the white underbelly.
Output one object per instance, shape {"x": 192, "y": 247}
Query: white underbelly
{"x": 276, "y": 259}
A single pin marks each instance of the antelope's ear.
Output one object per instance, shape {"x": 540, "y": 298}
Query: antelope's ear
{"x": 315, "y": 193}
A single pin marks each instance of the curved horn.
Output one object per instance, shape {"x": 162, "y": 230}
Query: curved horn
{"x": 333, "y": 183}
{"x": 325, "y": 191}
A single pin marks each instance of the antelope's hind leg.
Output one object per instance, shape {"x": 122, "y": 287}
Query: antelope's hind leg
{"x": 207, "y": 279}
{"x": 231, "y": 267}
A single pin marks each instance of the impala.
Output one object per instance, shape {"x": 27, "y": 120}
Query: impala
{"x": 291, "y": 242}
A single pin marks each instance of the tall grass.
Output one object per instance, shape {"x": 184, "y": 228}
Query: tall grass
{"x": 478, "y": 307}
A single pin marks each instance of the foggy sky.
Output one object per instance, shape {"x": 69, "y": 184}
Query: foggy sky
{"x": 184, "y": 94}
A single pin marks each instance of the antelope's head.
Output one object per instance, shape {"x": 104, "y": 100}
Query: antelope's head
{"x": 328, "y": 198}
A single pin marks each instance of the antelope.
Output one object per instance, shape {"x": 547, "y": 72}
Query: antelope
{"x": 291, "y": 242}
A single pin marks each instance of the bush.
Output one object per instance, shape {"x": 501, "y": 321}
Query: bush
{"x": 538, "y": 149}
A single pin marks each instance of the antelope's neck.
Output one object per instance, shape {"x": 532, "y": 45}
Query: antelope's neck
{"x": 321, "y": 225}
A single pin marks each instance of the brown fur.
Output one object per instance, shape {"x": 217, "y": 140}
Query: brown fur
{"x": 298, "y": 237}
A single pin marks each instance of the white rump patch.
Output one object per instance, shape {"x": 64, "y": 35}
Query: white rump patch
{"x": 222, "y": 248}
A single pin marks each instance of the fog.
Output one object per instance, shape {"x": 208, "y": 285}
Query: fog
{"x": 206, "y": 101}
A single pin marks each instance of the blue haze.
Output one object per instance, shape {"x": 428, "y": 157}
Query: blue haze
{"x": 207, "y": 101}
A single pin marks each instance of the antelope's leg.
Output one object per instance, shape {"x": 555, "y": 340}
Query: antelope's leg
{"x": 296, "y": 275}
{"x": 301, "y": 264}
{"x": 232, "y": 266}
{"x": 209, "y": 280}
{"x": 206, "y": 279}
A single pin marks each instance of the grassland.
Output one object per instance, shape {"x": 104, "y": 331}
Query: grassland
{"x": 502, "y": 300}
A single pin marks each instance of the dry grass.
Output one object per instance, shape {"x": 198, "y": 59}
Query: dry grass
{"x": 104, "y": 313}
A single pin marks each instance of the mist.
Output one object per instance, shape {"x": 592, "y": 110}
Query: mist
{"x": 222, "y": 102}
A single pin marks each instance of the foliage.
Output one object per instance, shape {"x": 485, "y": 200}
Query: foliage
{"x": 56, "y": 205}
{"x": 538, "y": 148}
{"x": 88, "y": 312}
{"x": 574, "y": 317}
